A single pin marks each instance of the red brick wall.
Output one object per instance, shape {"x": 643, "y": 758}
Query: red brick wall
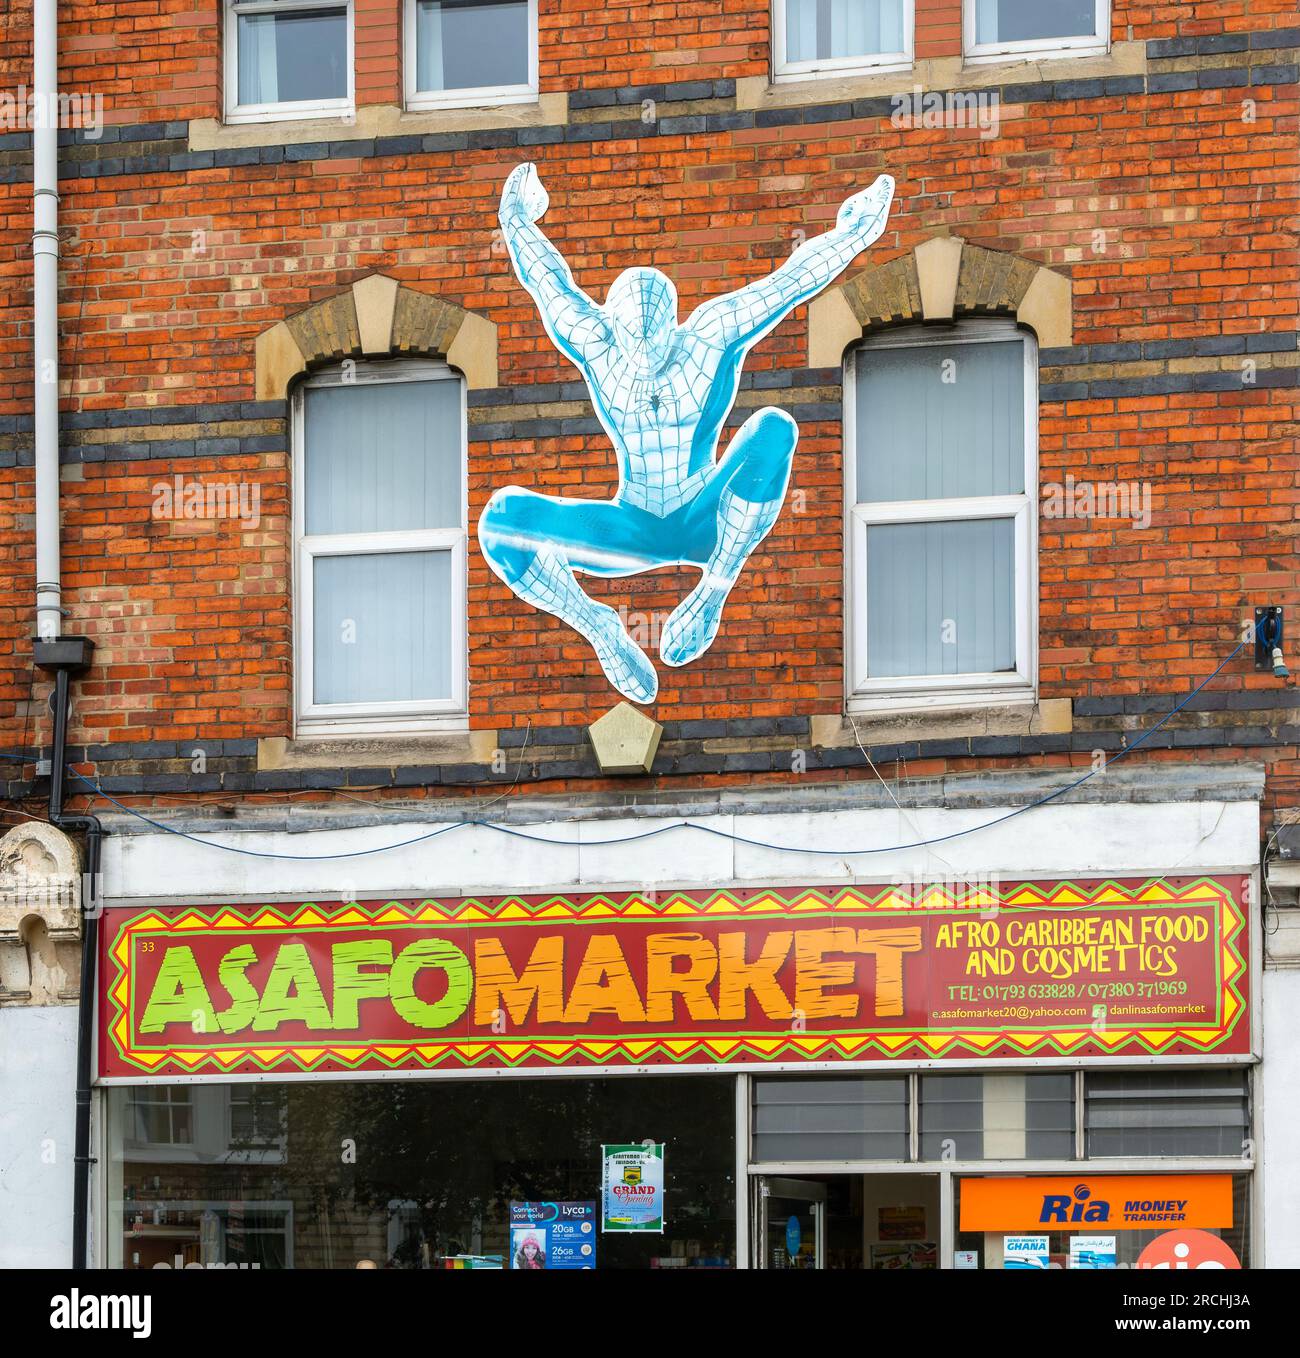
{"x": 193, "y": 619}
{"x": 938, "y": 29}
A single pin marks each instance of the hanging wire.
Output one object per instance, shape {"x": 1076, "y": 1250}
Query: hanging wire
{"x": 678, "y": 825}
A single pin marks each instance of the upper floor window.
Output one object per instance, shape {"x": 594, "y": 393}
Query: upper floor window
{"x": 839, "y": 37}
{"x": 159, "y": 1115}
{"x": 259, "y": 1117}
{"x": 995, "y": 29}
{"x": 288, "y": 59}
{"x": 941, "y": 462}
{"x": 461, "y": 52}
{"x": 380, "y": 516}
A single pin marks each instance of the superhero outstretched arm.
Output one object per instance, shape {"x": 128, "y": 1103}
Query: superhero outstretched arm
{"x": 574, "y": 322}
{"x": 743, "y": 317}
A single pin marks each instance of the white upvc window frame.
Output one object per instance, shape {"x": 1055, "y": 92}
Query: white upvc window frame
{"x": 418, "y": 100}
{"x": 879, "y": 63}
{"x": 921, "y": 692}
{"x": 1096, "y": 43}
{"x": 379, "y": 718}
{"x": 283, "y": 110}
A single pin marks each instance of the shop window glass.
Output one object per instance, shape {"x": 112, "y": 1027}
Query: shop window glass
{"x": 159, "y": 1117}
{"x": 997, "y": 1117}
{"x": 855, "y": 1119}
{"x": 986, "y": 1249}
{"x": 1166, "y": 1113}
{"x": 437, "y": 1165}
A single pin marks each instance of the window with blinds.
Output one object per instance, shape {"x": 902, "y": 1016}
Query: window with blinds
{"x": 464, "y": 52}
{"x": 941, "y": 470}
{"x": 838, "y": 37}
{"x": 288, "y": 59}
{"x": 997, "y": 1117}
{"x": 381, "y": 543}
{"x": 995, "y": 29}
{"x": 863, "y": 1118}
{"x": 1137, "y": 1113}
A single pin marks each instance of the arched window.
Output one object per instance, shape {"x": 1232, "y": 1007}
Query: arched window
{"x": 380, "y": 539}
{"x": 941, "y": 453}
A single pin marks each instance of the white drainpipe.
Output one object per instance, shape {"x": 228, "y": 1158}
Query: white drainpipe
{"x": 45, "y": 303}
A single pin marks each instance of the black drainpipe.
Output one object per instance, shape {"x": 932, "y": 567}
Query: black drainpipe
{"x": 65, "y": 656}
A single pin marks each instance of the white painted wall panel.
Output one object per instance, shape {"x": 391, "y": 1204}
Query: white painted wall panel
{"x": 38, "y": 1050}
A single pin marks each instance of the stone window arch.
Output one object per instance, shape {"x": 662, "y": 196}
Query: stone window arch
{"x": 941, "y": 280}
{"x": 376, "y": 317}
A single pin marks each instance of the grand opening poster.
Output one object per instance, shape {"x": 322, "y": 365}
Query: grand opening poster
{"x": 632, "y": 1187}
{"x": 756, "y": 977}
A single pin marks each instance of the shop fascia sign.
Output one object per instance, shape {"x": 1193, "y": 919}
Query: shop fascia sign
{"x": 1125, "y": 1202}
{"x": 719, "y": 977}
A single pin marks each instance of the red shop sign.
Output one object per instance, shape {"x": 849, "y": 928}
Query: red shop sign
{"x": 756, "y": 977}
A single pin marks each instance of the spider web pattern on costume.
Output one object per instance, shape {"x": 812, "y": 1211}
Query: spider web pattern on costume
{"x": 662, "y": 391}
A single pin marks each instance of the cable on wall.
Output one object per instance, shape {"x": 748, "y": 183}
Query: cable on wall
{"x": 677, "y": 825}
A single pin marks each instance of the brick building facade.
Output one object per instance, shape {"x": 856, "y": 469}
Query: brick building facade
{"x": 1125, "y": 208}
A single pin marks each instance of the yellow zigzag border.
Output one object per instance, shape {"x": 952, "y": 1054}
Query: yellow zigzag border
{"x": 675, "y": 905}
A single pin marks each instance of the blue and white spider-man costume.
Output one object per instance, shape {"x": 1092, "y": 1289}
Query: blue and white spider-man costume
{"x": 662, "y": 392}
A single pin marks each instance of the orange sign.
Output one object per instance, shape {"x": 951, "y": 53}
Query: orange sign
{"x": 1122, "y": 1202}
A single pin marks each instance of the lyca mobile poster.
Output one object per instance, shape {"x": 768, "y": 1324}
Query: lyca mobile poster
{"x": 552, "y": 1235}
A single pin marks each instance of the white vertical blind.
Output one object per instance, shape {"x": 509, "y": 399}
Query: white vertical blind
{"x": 941, "y": 421}
{"x": 259, "y": 81}
{"x": 382, "y": 502}
{"x": 826, "y": 29}
{"x": 382, "y": 627}
{"x": 941, "y": 598}
{"x": 986, "y": 20}
{"x": 383, "y": 457}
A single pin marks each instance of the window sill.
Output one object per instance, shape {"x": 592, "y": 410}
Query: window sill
{"x": 429, "y": 101}
{"x": 1012, "y": 54}
{"x": 893, "y": 66}
{"x": 1013, "y": 714}
{"x": 940, "y": 73}
{"x": 291, "y": 113}
{"x": 311, "y": 750}
{"x": 381, "y": 120}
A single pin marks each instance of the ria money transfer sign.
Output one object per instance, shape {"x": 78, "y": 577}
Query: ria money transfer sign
{"x": 756, "y": 976}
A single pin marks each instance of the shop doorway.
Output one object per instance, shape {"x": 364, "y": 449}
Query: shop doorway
{"x": 847, "y": 1221}
{"x": 792, "y": 1223}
